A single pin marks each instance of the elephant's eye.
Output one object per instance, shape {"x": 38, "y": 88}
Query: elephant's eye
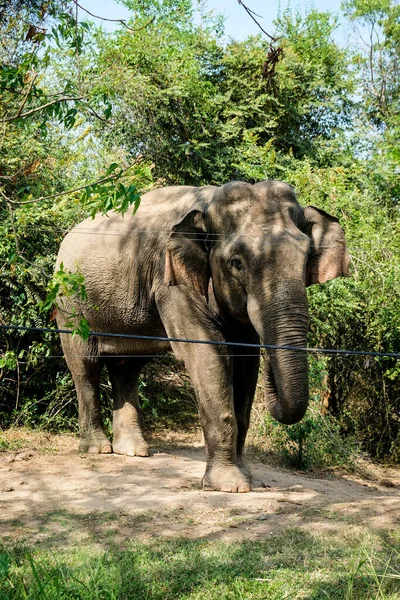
{"x": 237, "y": 264}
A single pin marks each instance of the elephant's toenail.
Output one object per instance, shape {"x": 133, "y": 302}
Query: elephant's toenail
{"x": 228, "y": 487}
{"x": 143, "y": 452}
{"x": 243, "y": 488}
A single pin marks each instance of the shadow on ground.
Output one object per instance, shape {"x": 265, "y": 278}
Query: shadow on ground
{"x": 65, "y": 498}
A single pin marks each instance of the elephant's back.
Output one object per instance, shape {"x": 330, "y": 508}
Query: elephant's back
{"x": 158, "y": 212}
{"x": 122, "y": 258}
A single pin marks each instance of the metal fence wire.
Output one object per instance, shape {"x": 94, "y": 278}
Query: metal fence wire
{"x": 394, "y": 355}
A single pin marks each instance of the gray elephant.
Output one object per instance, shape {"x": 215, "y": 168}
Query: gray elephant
{"x": 227, "y": 263}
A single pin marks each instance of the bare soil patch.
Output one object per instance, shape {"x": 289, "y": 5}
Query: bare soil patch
{"x": 50, "y": 494}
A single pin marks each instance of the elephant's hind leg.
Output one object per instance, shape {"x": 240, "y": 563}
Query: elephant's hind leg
{"x": 127, "y": 433}
{"x": 85, "y": 368}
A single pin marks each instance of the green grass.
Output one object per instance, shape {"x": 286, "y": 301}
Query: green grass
{"x": 7, "y": 445}
{"x": 294, "y": 564}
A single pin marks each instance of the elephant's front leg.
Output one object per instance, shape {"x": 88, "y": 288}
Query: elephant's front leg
{"x": 210, "y": 368}
{"x": 246, "y": 363}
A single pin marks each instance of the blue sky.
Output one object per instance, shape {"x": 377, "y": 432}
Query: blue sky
{"x": 237, "y": 25}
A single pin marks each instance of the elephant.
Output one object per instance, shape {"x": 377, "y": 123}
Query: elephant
{"x": 227, "y": 263}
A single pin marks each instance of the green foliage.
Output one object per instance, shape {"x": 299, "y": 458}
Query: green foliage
{"x": 377, "y": 60}
{"x": 195, "y": 108}
{"x": 47, "y": 90}
{"x": 65, "y": 284}
{"x": 52, "y": 407}
{"x": 363, "y": 312}
{"x": 49, "y": 153}
{"x": 111, "y": 193}
{"x": 162, "y": 96}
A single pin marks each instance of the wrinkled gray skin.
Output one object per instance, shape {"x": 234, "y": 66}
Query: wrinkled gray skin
{"x": 226, "y": 263}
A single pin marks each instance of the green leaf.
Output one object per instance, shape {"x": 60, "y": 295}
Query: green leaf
{"x": 112, "y": 168}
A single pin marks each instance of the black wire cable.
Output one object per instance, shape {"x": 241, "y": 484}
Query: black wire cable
{"x": 395, "y": 355}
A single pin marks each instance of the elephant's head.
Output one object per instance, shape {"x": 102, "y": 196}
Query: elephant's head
{"x": 261, "y": 250}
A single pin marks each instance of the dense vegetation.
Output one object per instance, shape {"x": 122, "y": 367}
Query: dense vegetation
{"x": 86, "y": 116}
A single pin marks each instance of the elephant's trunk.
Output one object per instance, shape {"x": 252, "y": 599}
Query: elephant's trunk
{"x": 283, "y": 321}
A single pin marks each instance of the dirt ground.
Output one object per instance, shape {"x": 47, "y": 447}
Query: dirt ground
{"x": 50, "y": 494}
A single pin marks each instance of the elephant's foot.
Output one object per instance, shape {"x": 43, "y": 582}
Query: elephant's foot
{"x": 95, "y": 443}
{"x": 244, "y": 466}
{"x": 133, "y": 445}
{"x": 228, "y": 479}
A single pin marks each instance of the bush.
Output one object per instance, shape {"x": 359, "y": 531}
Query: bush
{"x": 317, "y": 441}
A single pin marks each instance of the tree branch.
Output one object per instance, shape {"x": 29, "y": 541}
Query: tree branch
{"x": 251, "y": 14}
{"x": 95, "y": 114}
{"x": 24, "y": 101}
{"x": 38, "y": 108}
{"x": 12, "y": 91}
{"x": 114, "y": 20}
{"x": 371, "y": 55}
{"x": 78, "y": 189}
{"x": 10, "y": 210}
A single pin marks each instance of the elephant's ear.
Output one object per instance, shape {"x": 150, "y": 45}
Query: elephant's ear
{"x": 186, "y": 259}
{"x": 329, "y": 257}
